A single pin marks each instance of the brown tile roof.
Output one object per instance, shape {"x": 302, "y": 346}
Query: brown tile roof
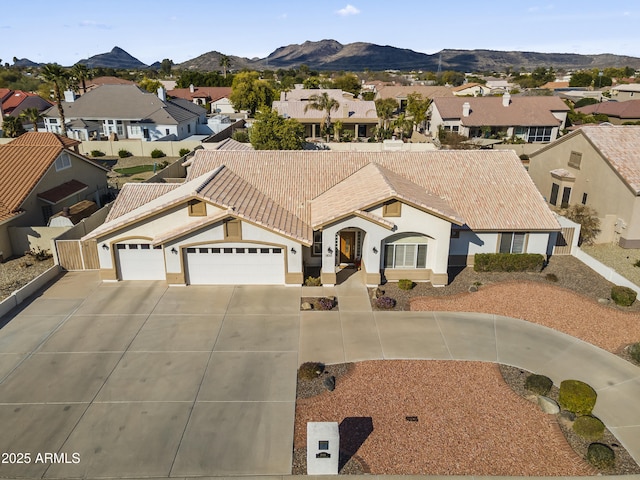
{"x": 465, "y": 86}
{"x": 349, "y": 111}
{"x": 133, "y": 195}
{"x": 402, "y": 91}
{"x": 213, "y": 93}
{"x": 97, "y": 81}
{"x": 629, "y": 109}
{"x": 44, "y": 139}
{"x": 62, "y": 191}
{"x": 489, "y": 111}
{"x": 554, "y": 85}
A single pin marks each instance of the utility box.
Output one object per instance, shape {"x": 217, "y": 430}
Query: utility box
{"x": 323, "y": 448}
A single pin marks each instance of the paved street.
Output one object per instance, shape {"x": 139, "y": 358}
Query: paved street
{"x": 144, "y": 380}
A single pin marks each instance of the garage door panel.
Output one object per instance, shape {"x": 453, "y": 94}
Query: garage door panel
{"x": 246, "y": 265}
{"x": 140, "y": 262}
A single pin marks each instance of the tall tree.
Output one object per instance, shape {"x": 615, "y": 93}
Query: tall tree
{"x": 165, "y": 66}
{"x": 270, "y": 131}
{"x": 249, "y": 92}
{"x": 80, "y": 73}
{"x": 348, "y": 83}
{"x": 385, "y": 108}
{"x": 54, "y": 73}
{"x": 225, "y": 62}
{"x": 326, "y": 104}
{"x": 12, "y": 127}
{"x": 417, "y": 107}
{"x": 32, "y": 115}
{"x": 149, "y": 85}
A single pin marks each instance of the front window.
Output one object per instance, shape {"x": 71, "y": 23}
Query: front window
{"x": 63, "y": 162}
{"x": 539, "y": 134}
{"x": 512, "y": 242}
{"x": 317, "y": 244}
{"x": 405, "y": 255}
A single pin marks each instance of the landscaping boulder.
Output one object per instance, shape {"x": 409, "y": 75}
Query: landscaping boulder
{"x": 306, "y": 306}
{"x": 548, "y": 405}
{"x": 377, "y": 293}
{"x": 330, "y": 383}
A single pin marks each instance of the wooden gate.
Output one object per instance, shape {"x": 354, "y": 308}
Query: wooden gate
{"x": 564, "y": 241}
{"x": 77, "y": 255}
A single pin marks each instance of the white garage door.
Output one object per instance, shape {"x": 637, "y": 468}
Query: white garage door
{"x": 140, "y": 261}
{"x": 235, "y": 265}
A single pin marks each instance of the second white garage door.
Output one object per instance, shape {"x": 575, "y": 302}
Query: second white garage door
{"x": 248, "y": 264}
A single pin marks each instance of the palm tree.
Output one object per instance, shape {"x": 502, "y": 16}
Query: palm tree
{"x": 12, "y": 127}
{"x": 54, "y": 73}
{"x": 324, "y": 103}
{"x": 225, "y": 62}
{"x": 80, "y": 73}
{"x": 32, "y": 115}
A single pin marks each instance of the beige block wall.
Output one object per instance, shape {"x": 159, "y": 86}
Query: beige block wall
{"x": 137, "y": 148}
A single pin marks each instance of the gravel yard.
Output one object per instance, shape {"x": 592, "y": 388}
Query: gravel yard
{"x": 17, "y": 272}
{"x": 620, "y": 259}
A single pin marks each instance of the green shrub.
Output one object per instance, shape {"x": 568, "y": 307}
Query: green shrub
{"x": 538, "y": 384}
{"x": 589, "y": 427}
{"x": 313, "y": 281}
{"x": 183, "y": 151}
{"x": 636, "y": 263}
{"x": 577, "y": 397}
{"x": 600, "y": 455}
{"x": 405, "y": 284}
{"x": 310, "y": 370}
{"x": 97, "y": 153}
{"x": 508, "y": 262}
{"x": 162, "y": 165}
{"x": 157, "y": 153}
{"x": 623, "y": 296}
{"x": 634, "y": 351}
{"x": 124, "y": 153}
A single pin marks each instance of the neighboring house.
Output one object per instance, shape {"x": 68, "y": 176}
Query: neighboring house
{"x": 532, "y": 119}
{"x": 216, "y": 97}
{"x": 498, "y": 86}
{"x": 597, "y": 166}
{"x": 357, "y": 116}
{"x": 471, "y": 90}
{"x": 618, "y": 112}
{"x": 127, "y": 112}
{"x": 269, "y": 217}
{"x": 40, "y": 174}
{"x": 622, "y": 93}
{"x": 553, "y": 86}
{"x": 401, "y": 93}
{"x": 96, "y": 82}
{"x": 15, "y": 101}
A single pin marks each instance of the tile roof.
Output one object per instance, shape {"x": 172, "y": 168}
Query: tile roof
{"x": 228, "y": 144}
{"x": 629, "y": 109}
{"x": 489, "y": 111}
{"x": 306, "y": 93}
{"x": 29, "y": 101}
{"x": 23, "y": 162}
{"x": 349, "y": 111}
{"x": 62, "y": 191}
{"x": 554, "y": 85}
{"x": 632, "y": 87}
{"x": 465, "y": 86}
{"x": 396, "y": 91}
{"x": 619, "y": 145}
{"x": 213, "y": 93}
{"x": 133, "y": 195}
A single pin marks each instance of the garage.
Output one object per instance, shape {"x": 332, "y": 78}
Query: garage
{"x": 244, "y": 264}
{"x": 140, "y": 261}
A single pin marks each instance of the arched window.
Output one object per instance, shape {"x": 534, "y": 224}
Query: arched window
{"x": 406, "y": 250}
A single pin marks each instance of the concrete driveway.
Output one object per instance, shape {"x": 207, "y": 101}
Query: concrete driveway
{"x": 143, "y": 380}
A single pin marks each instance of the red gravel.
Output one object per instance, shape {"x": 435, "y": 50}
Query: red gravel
{"x": 547, "y": 305}
{"x": 470, "y": 421}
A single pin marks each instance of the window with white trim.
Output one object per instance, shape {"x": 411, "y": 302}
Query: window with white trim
{"x": 512, "y": 242}
{"x": 317, "y": 244}
{"x": 63, "y": 162}
{"x": 405, "y": 255}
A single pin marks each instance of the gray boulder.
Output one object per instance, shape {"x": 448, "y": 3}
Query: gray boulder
{"x": 548, "y": 405}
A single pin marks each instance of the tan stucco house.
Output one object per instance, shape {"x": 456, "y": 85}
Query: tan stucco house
{"x": 269, "y": 217}
{"x": 40, "y": 174}
{"x": 598, "y": 166}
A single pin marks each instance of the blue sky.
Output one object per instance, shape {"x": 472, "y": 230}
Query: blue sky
{"x": 150, "y": 30}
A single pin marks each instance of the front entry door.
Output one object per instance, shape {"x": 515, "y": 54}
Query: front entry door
{"x": 347, "y": 247}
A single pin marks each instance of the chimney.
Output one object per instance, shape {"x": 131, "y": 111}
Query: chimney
{"x": 466, "y": 109}
{"x": 192, "y": 89}
{"x": 162, "y": 94}
{"x": 506, "y": 99}
{"x": 69, "y": 96}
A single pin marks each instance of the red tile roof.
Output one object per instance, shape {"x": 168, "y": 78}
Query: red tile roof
{"x": 623, "y": 110}
{"x": 212, "y": 93}
{"x": 62, "y": 191}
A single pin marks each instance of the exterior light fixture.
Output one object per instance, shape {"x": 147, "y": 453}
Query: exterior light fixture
{"x": 105, "y": 246}
{"x": 293, "y": 251}
{"x": 174, "y": 251}
{"x": 329, "y": 250}
{"x": 375, "y": 250}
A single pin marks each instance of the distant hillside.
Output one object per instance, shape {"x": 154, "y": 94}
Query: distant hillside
{"x": 116, "y": 58}
{"x": 332, "y": 55}
{"x": 25, "y": 62}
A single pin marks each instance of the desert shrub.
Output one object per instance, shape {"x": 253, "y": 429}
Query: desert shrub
{"x": 588, "y": 219}
{"x": 634, "y": 351}
{"x": 551, "y": 277}
{"x": 183, "y": 151}
{"x": 385, "y": 303}
{"x": 310, "y": 370}
{"x": 124, "y": 153}
{"x": 508, "y": 262}
{"x": 600, "y": 455}
{"x": 324, "y": 303}
{"x": 162, "y": 165}
{"x": 241, "y": 136}
{"x": 636, "y": 263}
{"x": 405, "y": 284}
{"x": 313, "y": 281}
{"x": 577, "y": 397}
{"x": 39, "y": 254}
{"x": 157, "y": 153}
{"x": 589, "y": 427}
{"x": 623, "y": 296}
{"x": 97, "y": 153}
{"x": 538, "y": 384}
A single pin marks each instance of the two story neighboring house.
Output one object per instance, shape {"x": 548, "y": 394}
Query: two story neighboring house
{"x": 598, "y": 166}
{"x": 357, "y": 116}
{"x": 128, "y": 112}
{"x": 216, "y": 97}
{"x": 264, "y": 217}
{"x": 532, "y": 119}
{"x": 40, "y": 174}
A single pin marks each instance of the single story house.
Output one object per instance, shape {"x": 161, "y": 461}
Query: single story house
{"x": 618, "y": 112}
{"x": 270, "y": 217}
{"x": 126, "y": 111}
{"x": 622, "y": 93}
{"x": 216, "y": 97}
{"x": 41, "y": 174}
{"x": 400, "y": 93}
{"x": 532, "y": 119}
{"x": 471, "y": 90}
{"x": 598, "y": 166}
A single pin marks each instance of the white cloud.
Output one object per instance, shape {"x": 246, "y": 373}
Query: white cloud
{"x": 348, "y": 10}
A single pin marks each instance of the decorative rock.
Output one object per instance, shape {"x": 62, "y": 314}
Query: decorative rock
{"x": 333, "y": 299}
{"x": 548, "y": 405}
{"x": 306, "y": 306}
{"x": 604, "y": 301}
{"x": 377, "y": 293}
{"x": 330, "y": 383}
{"x": 473, "y": 288}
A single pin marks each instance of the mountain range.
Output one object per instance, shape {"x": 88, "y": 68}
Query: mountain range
{"x": 332, "y": 55}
